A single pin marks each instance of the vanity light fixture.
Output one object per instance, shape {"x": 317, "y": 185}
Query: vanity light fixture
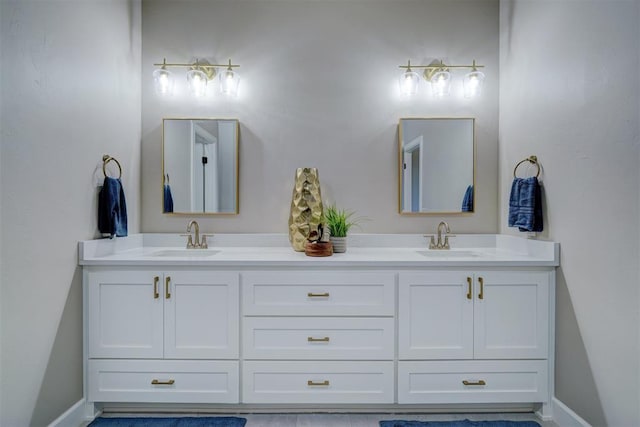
{"x": 198, "y": 76}
{"x": 438, "y": 74}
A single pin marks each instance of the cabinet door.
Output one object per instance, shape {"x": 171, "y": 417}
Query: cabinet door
{"x": 435, "y": 315}
{"x": 512, "y": 317}
{"x": 201, "y": 315}
{"x": 124, "y": 314}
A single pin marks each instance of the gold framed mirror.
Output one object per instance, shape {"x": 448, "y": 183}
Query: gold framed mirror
{"x": 200, "y": 162}
{"x": 436, "y": 166}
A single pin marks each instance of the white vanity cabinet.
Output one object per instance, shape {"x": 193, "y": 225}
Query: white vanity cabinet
{"x": 489, "y": 330}
{"x": 146, "y": 330}
{"x": 318, "y": 336}
{"x": 384, "y": 325}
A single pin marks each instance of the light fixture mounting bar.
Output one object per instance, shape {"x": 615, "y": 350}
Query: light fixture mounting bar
{"x": 439, "y": 66}
{"x": 201, "y": 65}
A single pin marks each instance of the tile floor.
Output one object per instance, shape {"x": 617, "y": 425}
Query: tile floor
{"x": 354, "y": 420}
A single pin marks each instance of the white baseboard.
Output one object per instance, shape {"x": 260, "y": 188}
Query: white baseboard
{"x": 565, "y": 417}
{"x": 72, "y": 417}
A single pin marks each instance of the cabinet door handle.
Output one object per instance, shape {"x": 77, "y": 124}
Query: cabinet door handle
{"x": 167, "y": 294}
{"x": 481, "y": 294}
{"x": 156, "y": 294}
{"x": 323, "y": 295}
{"x": 469, "y": 288}
{"x": 324, "y": 383}
{"x": 312, "y": 339}
{"x": 158, "y": 382}
{"x": 480, "y": 382}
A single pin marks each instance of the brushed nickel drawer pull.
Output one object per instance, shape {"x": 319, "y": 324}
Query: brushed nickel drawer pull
{"x": 481, "y": 382}
{"x": 323, "y": 295}
{"x": 312, "y": 339}
{"x": 158, "y": 382}
{"x": 324, "y": 383}
{"x": 156, "y": 294}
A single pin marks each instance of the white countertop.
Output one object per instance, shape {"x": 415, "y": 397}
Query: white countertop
{"x": 364, "y": 250}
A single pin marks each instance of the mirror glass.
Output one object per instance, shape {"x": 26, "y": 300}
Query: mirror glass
{"x": 200, "y": 166}
{"x": 436, "y": 165}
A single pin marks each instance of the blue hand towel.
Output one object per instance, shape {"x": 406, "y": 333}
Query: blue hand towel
{"x": 525, "y": 204}
{"x": 467, "y": 200}
{"x": 112, "y": 208}
{"x": 168, "y": 199}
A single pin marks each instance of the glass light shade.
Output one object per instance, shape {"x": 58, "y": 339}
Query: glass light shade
{"x": 229, "y": 81}
{"x": 473, "y": 83}
{"x": 441, "y": 83}
{"x": 409, "y": 82}
{"x": 163, "y": 81}
{"x": 197, "y": 83}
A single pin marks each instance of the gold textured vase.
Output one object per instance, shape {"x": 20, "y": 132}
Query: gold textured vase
{"x": 306, "y": 207}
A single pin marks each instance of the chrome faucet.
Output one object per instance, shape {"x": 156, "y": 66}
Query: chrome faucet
{"x": 440, "y": 244}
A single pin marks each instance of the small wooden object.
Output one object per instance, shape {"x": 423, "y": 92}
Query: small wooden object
{"x": 318, "y": 249}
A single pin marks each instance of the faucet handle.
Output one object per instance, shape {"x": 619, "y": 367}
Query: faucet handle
{"x": 190, "y": 244}
{"x": 203, "y": 241}
{"x": 446, "y": 241}
{"x": 432, "y": 241}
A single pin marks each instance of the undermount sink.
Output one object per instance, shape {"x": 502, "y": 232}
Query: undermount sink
{"x": 185, "y": 253}
{"x": 448, "y": 253}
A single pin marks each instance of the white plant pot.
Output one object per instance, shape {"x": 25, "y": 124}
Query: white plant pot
{"x": 339, "y": 244}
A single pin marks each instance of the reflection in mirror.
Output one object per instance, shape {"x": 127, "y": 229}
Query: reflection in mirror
{"x": 436, "y": 159}
{"x": 200, "y": 166}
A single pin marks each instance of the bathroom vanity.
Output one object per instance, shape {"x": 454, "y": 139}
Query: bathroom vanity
{"x": 389, "y": 324}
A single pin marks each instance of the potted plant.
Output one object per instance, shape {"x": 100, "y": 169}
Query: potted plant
{"x": 339, "y": 221}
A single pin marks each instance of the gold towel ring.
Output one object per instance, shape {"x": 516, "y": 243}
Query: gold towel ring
{"x": 106, "y": 159}
{"x": 531, "y": 159}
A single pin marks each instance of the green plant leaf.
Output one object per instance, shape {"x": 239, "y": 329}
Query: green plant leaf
{"x": 340, "y": 221}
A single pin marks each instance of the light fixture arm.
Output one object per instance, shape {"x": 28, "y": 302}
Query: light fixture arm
{"x": 436, "y": 65}
{"x": 202, "y": 65}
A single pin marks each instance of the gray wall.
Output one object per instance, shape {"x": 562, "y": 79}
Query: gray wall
{"x": 319, "y": 88}
{"x": 569, "y": 93}
{"x": 70, "y": 92}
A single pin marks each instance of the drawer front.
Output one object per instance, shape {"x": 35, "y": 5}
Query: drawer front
{"x": 318, "y": 338}
{"x": 473, "y": 381}
{"x": 175, "y": 381}
{"x": 317, "y": 382}
{"x": 318, "y": 293}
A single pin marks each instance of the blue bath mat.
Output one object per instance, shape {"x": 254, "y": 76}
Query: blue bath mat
{"x": 463, "y": 423}
{"x": 169, "y": 422}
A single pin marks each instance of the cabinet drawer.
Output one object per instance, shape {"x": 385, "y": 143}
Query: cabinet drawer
{"x": 488, "y": 381}
{"x": 185, "y": 381}
{"x": 318, "y": 382}
{"x": 318, "y": 293}
{"x": 318, "y": 338}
